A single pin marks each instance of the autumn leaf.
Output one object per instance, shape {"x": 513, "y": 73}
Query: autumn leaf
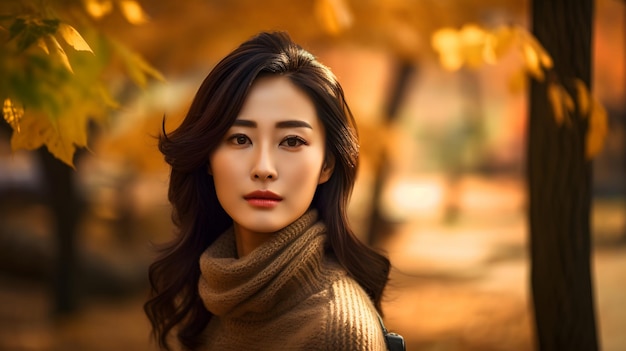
{"x": 531, "y": 61}
{"x": 536, "y": 58}
{"x": 61, "y": 135}
{"x": 447, "y": 43}
{"x": 12, "y": 114}
{"x": 497, "y": 43}
{"x": 133, "y": 12}
{"x": 62, "y": 106}
{"x": 42, "y": 131}
{"x": 544, "y": 58}
{"x": 58, "y": 51}
{"x": 561, "y": 101}
{"x": 73, "y": 38}
{"x": 334, "y": 15}
{"x": 584, "y": 102}
{"x": 597, "y": 129}
{"x": 42, "y": 44}
{"x": 98, "y": 8}
{"x": 27, "y": 31}
{"x": 527, "y": 39}
{"x": 473, "y": 39}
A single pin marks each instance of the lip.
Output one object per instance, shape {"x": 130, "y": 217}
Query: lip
{"x": 263, "y": 194}
{"x": 263, "y": 198}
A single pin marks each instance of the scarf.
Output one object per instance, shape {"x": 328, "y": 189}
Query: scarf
{"x": 286, "y": 294}
{"x": 254, "y": 284}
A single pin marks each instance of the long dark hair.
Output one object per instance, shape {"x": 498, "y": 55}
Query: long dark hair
{"x": 175, "y": 303}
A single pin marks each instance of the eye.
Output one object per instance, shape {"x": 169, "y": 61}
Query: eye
{"x": 293, "y": 141}
{"x": 239, "y": 139}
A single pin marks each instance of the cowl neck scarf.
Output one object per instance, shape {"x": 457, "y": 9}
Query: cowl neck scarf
{"x": 281, "y": 269}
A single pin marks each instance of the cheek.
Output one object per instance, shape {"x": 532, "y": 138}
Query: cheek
{"x": 223, "y": 171}
{"x": 305, "y": 172}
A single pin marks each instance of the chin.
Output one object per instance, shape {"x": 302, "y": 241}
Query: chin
{"x": 261, "y": 225}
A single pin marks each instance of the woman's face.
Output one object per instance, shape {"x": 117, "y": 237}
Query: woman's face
{"x": 270, "y": 161}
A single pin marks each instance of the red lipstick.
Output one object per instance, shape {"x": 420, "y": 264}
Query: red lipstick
{"x": 263, "y": 198}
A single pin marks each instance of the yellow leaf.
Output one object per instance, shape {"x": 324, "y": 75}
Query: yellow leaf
{"x": 42, "y": 44}
{"x": 596, "y": 130}
{"x": 446, "y": 41}
{"x": 133, "y": 12}
{"x": 560, "y": 101}
{"x": 583, "y": 97}
{"x": 42, "y": 131}
{"x": 98, "y": 8}
{"x": 497, "y": 43}
{"x": 73, "y": 38}
{"x": 489, "y": 51}
{"x": 452, "y": 61}
{"x": 527, "y": 38}
{"x": 61, "y": 135}
{"x": 544, "y": 58}
{"x": 334, "y": 15}
{"x": 531, "y": 61}
{"x": 472, "y": 34}
{"x": 472, "y": 38}
{"x": 59, "y": 52}
{"x": 12, "y": 114}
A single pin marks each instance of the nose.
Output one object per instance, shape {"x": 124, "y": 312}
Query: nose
{"x": 263, "y": 167}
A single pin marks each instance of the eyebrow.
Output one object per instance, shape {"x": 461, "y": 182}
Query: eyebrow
{"x": 281, "y": 124}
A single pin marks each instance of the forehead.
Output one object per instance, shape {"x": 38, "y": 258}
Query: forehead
{"x": 276, "y": 98}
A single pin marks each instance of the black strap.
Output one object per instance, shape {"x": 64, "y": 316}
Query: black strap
{"x": 394, "y": 342}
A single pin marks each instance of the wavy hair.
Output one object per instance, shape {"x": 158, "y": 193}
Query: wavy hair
{"x": 175, "y": 306}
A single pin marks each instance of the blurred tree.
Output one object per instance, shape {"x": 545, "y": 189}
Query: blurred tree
{"x": 559, "y": 178}
{"x": 379, "y": 227}
{"x": 567, "y": 128}
{"x": 54, "y": 87}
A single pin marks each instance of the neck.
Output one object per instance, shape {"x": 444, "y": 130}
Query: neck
{"x": 247, "y": 240}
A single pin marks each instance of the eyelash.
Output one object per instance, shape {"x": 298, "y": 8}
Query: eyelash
{"x": 235, "y": 138}
{"x": 296, "y": 138}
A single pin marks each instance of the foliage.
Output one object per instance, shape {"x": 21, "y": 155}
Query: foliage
{"x": 55, "y": 83}
{"x": 474, "y": 46}
{"x": 334, "y": 15}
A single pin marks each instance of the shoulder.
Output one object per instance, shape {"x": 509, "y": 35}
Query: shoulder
{"x": 352, "y": 320}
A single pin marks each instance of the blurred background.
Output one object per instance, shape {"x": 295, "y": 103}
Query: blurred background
{"x": 441, "y": 187}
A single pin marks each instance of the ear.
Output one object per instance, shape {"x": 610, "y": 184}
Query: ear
{"x": 327, "y": 169}
{"x": 208, "y": 169}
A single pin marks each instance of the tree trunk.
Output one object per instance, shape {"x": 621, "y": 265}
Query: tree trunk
{"x": 559, "y": 179}
{"x": 61, "y": 197}
{"x": 379, "y": 227}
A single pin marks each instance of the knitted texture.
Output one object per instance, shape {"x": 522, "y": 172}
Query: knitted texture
{"x": 285, "y": 295}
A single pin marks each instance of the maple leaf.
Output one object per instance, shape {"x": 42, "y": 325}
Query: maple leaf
{"x": 597, "y": 129}
{"x": 43, "y": 131}
{"x": 73, "y": 38}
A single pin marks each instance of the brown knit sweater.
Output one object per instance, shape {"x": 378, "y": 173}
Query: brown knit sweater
{"x": 285, "y": 295}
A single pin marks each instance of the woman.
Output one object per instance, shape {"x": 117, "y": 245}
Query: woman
{"x": 262, "y": 168}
